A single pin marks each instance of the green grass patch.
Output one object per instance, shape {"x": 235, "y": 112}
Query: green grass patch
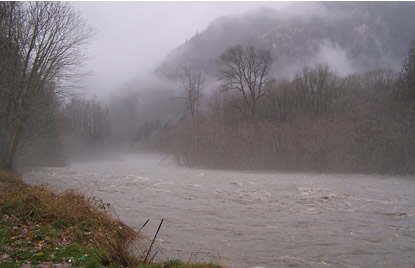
{"x": 9, "y": 265}
{"x": 23, "y": 243}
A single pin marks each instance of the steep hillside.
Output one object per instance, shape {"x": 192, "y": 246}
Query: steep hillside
{"x": 349, "y": 36}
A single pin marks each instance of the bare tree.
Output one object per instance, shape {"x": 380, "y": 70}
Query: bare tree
{"x": 317, "y": 89}
{"x": 282, "y": 102}
{"x": 192, "y": 83}
{"x": 246, "y": 70}
{"x": 42, "y": 46}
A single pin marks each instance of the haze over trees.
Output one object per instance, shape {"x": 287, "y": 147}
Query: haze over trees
{"x": 192, "y": 83}
{"x": 247, "y": 71}
{"x": 316, "y": 121}
{"x": 84, "y": 126}
{"x": 332, "y": 97}
{"x": 348, "y": 36}
{"x": 330, "y": 90}
{"x": 407, "y": 75}
{"x": 41, "y": 47}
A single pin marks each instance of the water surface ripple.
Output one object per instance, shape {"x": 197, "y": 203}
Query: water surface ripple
{"x": 249, "y": 219}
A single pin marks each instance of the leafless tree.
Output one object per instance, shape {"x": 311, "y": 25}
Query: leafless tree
{"x": 42, "y": 46}
{"x": 317, "y": 89}
{"x": 317, "y": 121}
{"x": 246, "y": 70}
{"x": 192, "y": 83}
{"x": 282, "y": 102}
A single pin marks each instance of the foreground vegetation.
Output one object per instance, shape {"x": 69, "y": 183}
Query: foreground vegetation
{"x": 39, "y": 227}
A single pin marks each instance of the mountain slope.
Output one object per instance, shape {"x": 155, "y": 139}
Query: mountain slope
{"x": 348, "y": 36}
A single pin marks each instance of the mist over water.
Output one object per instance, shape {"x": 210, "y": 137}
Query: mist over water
{"x": 250, "y": 90}
{"x": 249, "y": 219}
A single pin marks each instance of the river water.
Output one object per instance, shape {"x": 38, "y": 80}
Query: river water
{"x": 254, "y": 219}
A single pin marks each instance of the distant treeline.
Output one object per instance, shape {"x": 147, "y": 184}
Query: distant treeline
{"x": 316, "y": 121}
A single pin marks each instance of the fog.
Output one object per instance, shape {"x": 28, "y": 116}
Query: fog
{"x": 323, "y": 63}
{"x": 266, "y": 134}
{"x": 134, "y": 37}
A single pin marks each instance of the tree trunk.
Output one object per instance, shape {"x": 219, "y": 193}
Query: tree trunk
{"x": 12, "y": 145}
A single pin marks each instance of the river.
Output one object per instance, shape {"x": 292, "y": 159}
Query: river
{"x": 253, "y": 219}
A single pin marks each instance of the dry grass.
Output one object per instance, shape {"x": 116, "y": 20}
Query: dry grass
{"x": 80, "y": 219}
{"x": 40, "y": 226}
{"x": 7, "y": 176}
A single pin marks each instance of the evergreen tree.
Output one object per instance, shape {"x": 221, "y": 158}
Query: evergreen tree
{"x": 407, "y": 74}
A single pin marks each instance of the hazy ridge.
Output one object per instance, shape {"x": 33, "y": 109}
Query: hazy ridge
{"x": 349, "y": 37}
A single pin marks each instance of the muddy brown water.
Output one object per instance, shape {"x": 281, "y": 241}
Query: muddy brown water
{"x": 254, "y": 219}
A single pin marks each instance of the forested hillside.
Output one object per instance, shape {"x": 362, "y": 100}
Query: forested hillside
{"x": 321, "y": 87}
{"x": 348, "y": 36}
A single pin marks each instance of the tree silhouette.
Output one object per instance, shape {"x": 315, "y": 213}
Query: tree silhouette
{"x": 41, "y": 47}
{"x": 407, "y": 74}
{"x": 247, "y": 71}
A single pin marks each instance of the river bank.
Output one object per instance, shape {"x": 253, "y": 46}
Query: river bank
{"x": 42, "y": 228}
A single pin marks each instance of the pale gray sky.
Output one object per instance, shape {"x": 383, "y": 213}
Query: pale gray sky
{"x": 133, "y": 37}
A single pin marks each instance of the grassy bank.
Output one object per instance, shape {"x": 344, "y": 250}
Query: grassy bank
{"x": 41, "y": 228}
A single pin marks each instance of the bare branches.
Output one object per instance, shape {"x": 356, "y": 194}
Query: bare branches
{"x": 58, "y": 34}
{"x": 317, "y": 89}
{"x": 246, "y": 70}
{"x": 42, "y": 44}
{"x": 192, "y": 83}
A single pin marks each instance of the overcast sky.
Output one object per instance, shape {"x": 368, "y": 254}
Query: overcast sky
{"x": 133, "y": 37}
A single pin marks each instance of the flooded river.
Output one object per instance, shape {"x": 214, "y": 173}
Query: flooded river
{"x": 254, "y": 219}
